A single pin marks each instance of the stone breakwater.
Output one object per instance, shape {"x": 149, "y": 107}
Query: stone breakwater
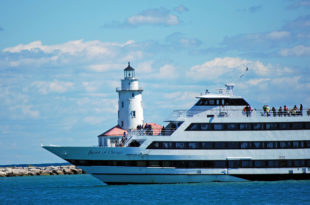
{"x": 37, "y": 171}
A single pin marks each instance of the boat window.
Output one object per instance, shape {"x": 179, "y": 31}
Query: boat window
{"x": 206, "y": 145}
{"x": 154, "y": 163}
{"x": 308, "y": 163}
{"x": 211, "y": 102}
{"x": 258, "y": 145}
{"x": 167, "y": 164}
{"x": 245, "y": 126}
{"x": 259, "y": 163}
{"x": 245, "y": 145}
{"x": 236, "y": 102}
{"x": 258, "y": 126}
{"x": 284, "y": 126}
{"x": 206, "y": 126}
{"x": 283, "y": 145}
{"x": 296, "y": 144}
{"x": 194, "y": 145}
{"x": 272, "y": 163}
{"x": 198, "y": 163}
{"x": 219, "y": 164}
{"x": 141, "y": 163}
{"x": 180, "y": 145}
{"x": 269, "y": 145}
{"x": 307, "y": 125}
{"x": 297, "y": 125}
{"x": 219, "y": 145}
{"x": 233, "y": 164}
{"x": 167, "y": 145}
{"x": 218, "y": 126}
{"x": 246, "y": 163}
{"x": 232, "y": 126}
{"x": 233, "y": 145}
{"x": 299, "y": 163}
{"x": 290, "y": 163}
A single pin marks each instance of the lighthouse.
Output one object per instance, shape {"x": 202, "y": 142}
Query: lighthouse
{"x": 130, "y": 109}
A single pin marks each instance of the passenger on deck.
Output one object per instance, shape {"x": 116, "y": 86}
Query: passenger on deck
{"x": 265, "y": 109}
{"x": 294, "y": 111}
{"x": 300, "y": 109}
{"x": 285, "y": 110}
{"x": 268, "y": 110}
{"x": 274, "y": 112}
{"x": 280, "y": 111}
{"x": 124, "y": 138}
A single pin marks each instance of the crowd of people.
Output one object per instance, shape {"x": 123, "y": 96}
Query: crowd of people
{"x": 285, "y": 111}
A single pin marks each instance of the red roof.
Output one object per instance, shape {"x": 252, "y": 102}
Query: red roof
{"x": 114, "y": 131}
{"x": 156, "y": 128}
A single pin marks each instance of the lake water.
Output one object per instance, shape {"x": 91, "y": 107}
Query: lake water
{"x": 84, "y": 189}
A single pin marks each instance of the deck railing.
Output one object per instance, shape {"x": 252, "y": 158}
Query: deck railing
{"x": 222, "y": 112}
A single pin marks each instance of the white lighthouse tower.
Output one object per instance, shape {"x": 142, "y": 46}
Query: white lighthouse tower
{"x": 130, "y": 110}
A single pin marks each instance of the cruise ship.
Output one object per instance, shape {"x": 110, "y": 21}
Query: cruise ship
{"x": 219, "y": 139}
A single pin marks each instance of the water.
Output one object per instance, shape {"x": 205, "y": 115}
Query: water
{"x": 84, "y": 189}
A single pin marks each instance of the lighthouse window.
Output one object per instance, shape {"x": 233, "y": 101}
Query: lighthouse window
{"x": 133, "y": 95}
{"x": 133, "y": 114}
{"x": 122, "y": 104}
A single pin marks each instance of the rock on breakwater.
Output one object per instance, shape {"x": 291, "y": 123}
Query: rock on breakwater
{"x": 37, "y": 171}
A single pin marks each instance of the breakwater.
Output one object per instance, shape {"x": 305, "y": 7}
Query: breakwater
{"x": 37, "y": 171}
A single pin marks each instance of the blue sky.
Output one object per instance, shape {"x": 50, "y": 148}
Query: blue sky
{"x": 60, "y": 62}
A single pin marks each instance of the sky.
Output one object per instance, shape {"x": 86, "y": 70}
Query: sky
{"x": 61, "y": 61}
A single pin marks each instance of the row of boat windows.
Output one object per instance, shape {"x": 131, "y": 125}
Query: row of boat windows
{"x": 197, "y": 163}
{"x": 212, "y": 102}
{"x": 248, "y": 126}
{"x": 231, "y": 145}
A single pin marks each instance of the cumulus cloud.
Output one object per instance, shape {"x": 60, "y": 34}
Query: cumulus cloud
{"x": 166, "y": 71}
{"x": 105, "y": 67}
{"x": 178, "y": 40}
{"x": 181, "y": 9}
{"x": 278, "y": 35}
{"x": 90, "y": 48}
{"x": 299, "y": 50}
{"x": 55, "y": 86}
{"x": 157, "y": 16}
{"x": 230, "y": 67}
{"x": 72, "y": 52}
{"x": 299, "y": 4}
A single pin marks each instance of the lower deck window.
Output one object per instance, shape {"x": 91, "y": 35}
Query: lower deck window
{"x": 186, "y": 164}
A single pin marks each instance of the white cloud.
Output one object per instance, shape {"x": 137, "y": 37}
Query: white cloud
{"x": 29, "y": 111}
{"x": 159, "y": 16}
{"x": 167, "y": 71}
{"x": 220, "y": 66}
{"x": 105, "y": 67}
{"x": 72, "y": 52}
{"x": 278, "y": 35}
{"x": 181, "y": 9}
{"x": 55, "y": 86}
{"x": 145, "y": 67}
{"x": 90, "y": 86}
{"x": 299, "y": 50}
